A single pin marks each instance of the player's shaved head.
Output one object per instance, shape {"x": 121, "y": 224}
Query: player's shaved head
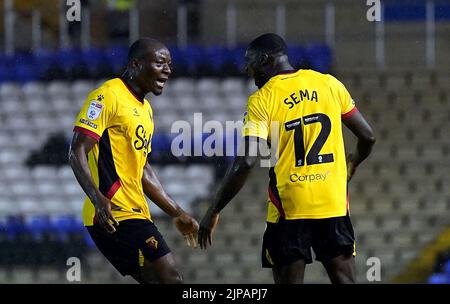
{"x": 144, "y": 46}
{"x": 269, "y": 43}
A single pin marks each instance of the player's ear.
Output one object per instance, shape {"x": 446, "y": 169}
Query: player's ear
{"x": 264, "y": 59}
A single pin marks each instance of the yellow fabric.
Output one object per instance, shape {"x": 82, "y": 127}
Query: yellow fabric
{"x": 123, "y": 126}
{"x": 313, "y": 186}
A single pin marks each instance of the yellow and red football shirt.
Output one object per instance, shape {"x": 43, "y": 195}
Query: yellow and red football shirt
{"x": 123, "y": 126}
{"x": 300, "y": 115}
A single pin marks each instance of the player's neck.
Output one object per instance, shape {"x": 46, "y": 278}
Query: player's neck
{"x": 133, "y": 87}
{"x": 283, "y": 67}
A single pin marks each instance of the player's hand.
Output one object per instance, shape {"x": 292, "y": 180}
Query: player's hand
{"x": 103, "y": 214}
{"x": 188, "y": 227}
{"x": 351, "y": 167}
{"x": 207, "y": 228}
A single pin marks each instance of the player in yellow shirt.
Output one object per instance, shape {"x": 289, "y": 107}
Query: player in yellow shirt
{"x": 109, "y": 150}
{"x": 299, "y": 114}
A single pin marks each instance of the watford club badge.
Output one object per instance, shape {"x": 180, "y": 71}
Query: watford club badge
{"x": 152, "y": 242}
{"x": 94, "y": 110}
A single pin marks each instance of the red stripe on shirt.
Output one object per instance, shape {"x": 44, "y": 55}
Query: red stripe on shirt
{"x": 348, "y": 114}
{"x": 276, "y": 203}
{"x": 86, "y": 132}
{"x": 113, "y": 189}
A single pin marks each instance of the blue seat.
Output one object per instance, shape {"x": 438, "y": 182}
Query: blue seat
{"x": 298, "y": 56}
{"x": 15, "y": 227}
{"x": 161, "y": 143}
{"x": 438, "y": 278}
{"x": 88, "y": 239}
{"x": 194, "y": 56}
{"x": 93, "y": 57}
{"x": 69, "y": 58}
{"x": 45, "y": 60}
{"x": 25, "y": 72}
{"x": 7, "y": 73}
{"x": 66, "y": 225}
{"x": 216, "y": 56}
{"x": 117, "y": 57}
{"x": 237, "y": 55}
{"x": 39, "y": 226}
{"x": 319, "y": 56}
{"x": 447, "y": 268}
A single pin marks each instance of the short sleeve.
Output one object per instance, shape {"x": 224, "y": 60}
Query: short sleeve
{"x": 97, "y": 113}
{"x": 256, "y": 119}
{"x": 340, "y": 92}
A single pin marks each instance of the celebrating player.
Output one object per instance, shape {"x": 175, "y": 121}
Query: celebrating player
{"x": 307, "y": 195}
{"x": 108, "y": 154}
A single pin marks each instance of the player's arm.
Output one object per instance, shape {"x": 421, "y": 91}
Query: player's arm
{"x": 366, "y": 139}
{"x": 232, "y": 183}
{"x": 152, "y": 187}
{"x": 79, "y": 149}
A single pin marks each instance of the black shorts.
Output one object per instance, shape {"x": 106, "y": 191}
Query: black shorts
{"x": 290, "y": 240}
{"x": 134, "y": 240}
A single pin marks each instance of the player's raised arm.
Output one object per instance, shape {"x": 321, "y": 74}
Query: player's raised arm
{"x": 233, "y": 181}
{"x": 79, "y": 149}
{"x": 185, "y": 223}
{"x": 366, "y": 139}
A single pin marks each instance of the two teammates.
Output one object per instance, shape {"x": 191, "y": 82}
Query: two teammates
{"x": 111, "y": 143}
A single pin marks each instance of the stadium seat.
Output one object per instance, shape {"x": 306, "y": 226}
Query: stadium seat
{"x": 438, "y": 278}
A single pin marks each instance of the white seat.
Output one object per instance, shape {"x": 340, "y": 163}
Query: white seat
{"x": 33, "y": 90}
{"x": 181, "y": 86}
{"x": 170, "y": 173}
{"x": 41, "y": 173}
{"x": 65, "y": 173}
{"x": 59, "y": 104}
{"x": 12, "y": 106}
{"x": 199, "y": 172}
{"x": 16, "y": 122}
{"x": 209, "y": 86}
{"x": 72, "y": 189}
{"x": 8, "y": 157}
{"x": 9, "y": 90}
{"x": 210, "y": 102}
{"x": 5, "y": 139}
{"x": 48, "y": 189}
{"x": 7, "y": 208}
{"x": 75, "y": 206}
{"x": 238, "y": 102}
{"x": 36, "y": 104}
{"x": 58, "y": 89}
{"x": 24, "y": 140}
{"x": 55, "y": 207}
{"x": 233, "y": 86}
{"x": 30, "y": 207}
{"x": 82, "y": 87}
{"x": 18, "y": 188}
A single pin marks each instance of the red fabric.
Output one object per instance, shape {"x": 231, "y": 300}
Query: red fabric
{"x": 276, "y": 203}
{"x": 87, "y": 132}
{"x": 113, "y": 189}
{"x": 348, "y": 114}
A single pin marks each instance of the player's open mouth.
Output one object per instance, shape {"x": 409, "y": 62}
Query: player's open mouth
{"x": 160, "y": 82}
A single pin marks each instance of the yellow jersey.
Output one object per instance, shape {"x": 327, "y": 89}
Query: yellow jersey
{"x": 123, "y": 126}
{"x": 300, "y": 114}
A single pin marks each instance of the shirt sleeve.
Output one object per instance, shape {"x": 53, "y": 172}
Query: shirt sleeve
{"x": 97, "y": 113}
{"x": 340, "y": 92}
{"x": 256, "y": 119}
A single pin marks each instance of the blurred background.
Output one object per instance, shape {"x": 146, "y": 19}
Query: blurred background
{"x": 397, "y": 69}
